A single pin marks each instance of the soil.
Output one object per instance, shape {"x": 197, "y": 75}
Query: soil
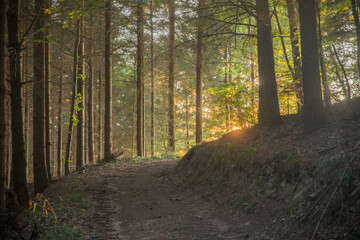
{"x": 143, "y": 201}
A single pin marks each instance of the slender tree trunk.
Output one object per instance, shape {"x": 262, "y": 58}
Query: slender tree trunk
{"x": 100, "y": 117}
{"x": 18, "y": 154}
{"x": 140, "y": 79}
{"x": 357, "y": 26}
{"x": 80, "y": 134}
{"x": 47, "y": 94}
{"x": 41, "y": 179}
{"x": 337, "y": 73}
{"x": 171, "y": 129}
{"x": 294, "y": 36}
{"x": 226, "y": 80}
{"x": 199, "y": 71}
{"x": 152, "y": 134}
{"x": 59, "y": 146}
{"x": 322, "y": 65}
{"x": 187, "y": 122}
{"x": 90, "y": 100}
{"x": 3, "y": 92}
{"x": 344, "y": 72}
{"x": 73, "y": 98}
{"x": 313, "y": 104}
{"x": 269, "y": 113}
{"x": 108, "y": 83}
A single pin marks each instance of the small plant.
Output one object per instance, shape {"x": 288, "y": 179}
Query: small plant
{"x": 43, "y": 204}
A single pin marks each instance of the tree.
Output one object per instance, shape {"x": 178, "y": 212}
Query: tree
{"x": 313, "y": 104}
{"x": 47, "y": 4}
{"x": 108, "y": 84}
{"x": 80, "y": 134}
{"x": 91, "y": 98}
{"x": 294, "y": 36}
{"x": 269, "y": 113}
{"x": 140, "y": 79}
{"x": 199, "y": 72}
{"x": 357, "y": 28}
{"x": 73, "y": 98}
{"x": 3, "y": 92}
{"x": 171, "y": 120}
{"x": 18, "y": 168}
{"x": 152, "y": 134}
{"x": 41, "y": 180}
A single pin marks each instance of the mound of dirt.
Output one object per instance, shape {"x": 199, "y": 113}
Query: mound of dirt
{"x": 310, "y": 183}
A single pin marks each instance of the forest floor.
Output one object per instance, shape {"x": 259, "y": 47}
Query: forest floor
{"x": 128, "y": 200}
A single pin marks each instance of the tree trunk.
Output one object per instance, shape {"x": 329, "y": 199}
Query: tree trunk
{"x": 337, "y": 73}
{"x": 226, "y": 80}
{"x": 100, "y": 117}
{"x": 41, "y": 180}
{"x": 59, "y": 146}
{"x": 80, "y": 95}
{"x": 348, "y": 93}
{"x": 269, "y": 113}
{"x": 187, "y": 121}
{"x": 91, "y": 99}
{"x": 152, "y": 134}
{"x": 357, "y": 26}
{"x": 199, "y": 71}
{"x": 73, "y": 98}
{"x": 47, "y": 94}
{"x": 140, "y": 79}
{"x": 313, "y": 104}
{"x": 3, "y": 92}
{"x": 171, "y": 129}
{"x": 322, "y": 66}
{"x": 18, "y": 168}
{"x": 294, "y": 36}
{"x": 108, "y": 83}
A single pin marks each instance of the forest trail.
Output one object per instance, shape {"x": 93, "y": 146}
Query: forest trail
{"x": 140, "y": 201}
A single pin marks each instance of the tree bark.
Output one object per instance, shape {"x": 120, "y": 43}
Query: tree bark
{"x": 294, "y": 36}
{"x": 152, "y": 134}
{"x": 140, "y": 79}
{"x": 199, "y": 71}
{"x": 171, "y": 128}
{"x": 226, "y": 80}
{"x": 108, "y": 83}
{"x": 73, "y": 98}
{"x": 269, "y": 113}
{"x": 80, "y": 95}
{"x": 313, "y": 104}
{"x": 3, "y": 93}
{"x": 41, "y": 178}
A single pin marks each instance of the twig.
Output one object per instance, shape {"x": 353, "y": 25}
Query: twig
{"x": 339, "y": 145}
{"x": 316, "y": 203}
{"x": 332, "y": 197}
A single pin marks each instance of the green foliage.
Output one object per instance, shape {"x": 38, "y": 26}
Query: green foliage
{"x": 64, "y": 232}
{"x": 74, "y": 197}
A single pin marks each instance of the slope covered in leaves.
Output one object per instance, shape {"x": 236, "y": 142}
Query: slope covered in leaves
{"x": 283, "y": 175}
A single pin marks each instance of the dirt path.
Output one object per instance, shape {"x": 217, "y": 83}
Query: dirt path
{"x": 138, "y": 201}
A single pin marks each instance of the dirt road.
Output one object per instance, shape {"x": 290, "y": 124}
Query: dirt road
{"x": 139, "y": 201}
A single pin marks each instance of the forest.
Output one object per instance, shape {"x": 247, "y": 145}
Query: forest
{"x": 102, "y": 82}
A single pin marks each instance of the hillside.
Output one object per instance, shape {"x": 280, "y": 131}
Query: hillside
{"x": 285, "y": 180}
